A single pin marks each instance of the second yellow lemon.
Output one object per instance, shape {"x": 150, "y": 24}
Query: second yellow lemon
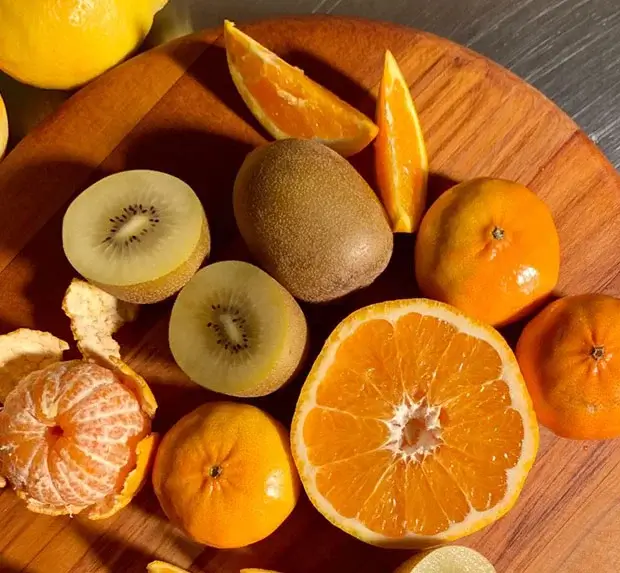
{"x": 65, "y": 44}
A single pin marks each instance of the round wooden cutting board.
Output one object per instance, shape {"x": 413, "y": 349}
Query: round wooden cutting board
{"x": 175, "y": 109}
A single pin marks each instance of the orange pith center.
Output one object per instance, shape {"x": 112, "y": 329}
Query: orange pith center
{"x": 68, "y": 435}
{"x": 413, "y": 427}
{"x": 287, "y": 97}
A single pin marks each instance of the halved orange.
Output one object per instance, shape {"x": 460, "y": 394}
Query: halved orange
{"x": 289, "y": 104}
{"x": 414, "y": 425}
{"x": 402, "y": 164}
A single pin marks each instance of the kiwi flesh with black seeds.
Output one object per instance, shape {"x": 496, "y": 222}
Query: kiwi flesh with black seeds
{"x": 235, "y": 330}
{"x": 139, "y": 235}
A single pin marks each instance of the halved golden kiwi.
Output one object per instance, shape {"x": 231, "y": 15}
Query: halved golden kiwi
{"x": 139, "y": 235}
{"x": 237, "y": 331}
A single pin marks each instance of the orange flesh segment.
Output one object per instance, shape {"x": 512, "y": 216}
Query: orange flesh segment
{"x": 480, "y": 438}
{"x": 288, "y": 100}
{"x": 71, "y": 431}
{"x": 402, "y": 163}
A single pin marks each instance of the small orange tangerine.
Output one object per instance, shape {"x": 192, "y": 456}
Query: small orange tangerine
{"x": 570, "y": 358}
{"x": 225, "y": 476}
{"x": 490, "y": 248}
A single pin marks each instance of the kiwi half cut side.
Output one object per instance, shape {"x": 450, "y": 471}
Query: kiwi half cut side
{"x": 139, "y": 235}
{"x": 237, "y": 331}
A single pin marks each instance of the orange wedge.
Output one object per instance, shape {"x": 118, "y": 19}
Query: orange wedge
{"x": 414, "y": 426}
{"x": 289, "y": 104}
{"x": 402, "y": 164}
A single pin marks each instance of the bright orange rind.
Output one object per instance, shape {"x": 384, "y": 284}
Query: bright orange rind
{"x": 414, "y": 426}
{"x": 289, "y": 104}
{"x": 402, "y": 163}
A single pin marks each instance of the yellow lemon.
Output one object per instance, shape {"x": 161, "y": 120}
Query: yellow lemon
{"x": 63, "y": 44}
{"x": 4, "y": 128}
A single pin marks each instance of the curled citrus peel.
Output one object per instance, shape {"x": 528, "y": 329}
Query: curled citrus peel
{"x": 95, "y": 316}
{"x": 75, "y": 436}
{"x": 24, "y": 351}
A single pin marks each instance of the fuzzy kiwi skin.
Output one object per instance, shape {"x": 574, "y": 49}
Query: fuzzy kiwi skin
{"x": 311, "y": 220}
{"x": 159, "y": 289}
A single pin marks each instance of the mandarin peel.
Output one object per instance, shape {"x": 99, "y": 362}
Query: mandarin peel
{"x": 95, "y": 316}
{"x": 24, "y": 351}
{"x": 74, "y": 436}
{"x": 487, "y": 382}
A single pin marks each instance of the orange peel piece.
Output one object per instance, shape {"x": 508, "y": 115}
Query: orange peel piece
{"x": 24, "y": 351}
{"x": 145, "y": 454}
{"x": 136, "y": 384}
{"x": 95, "y": 316}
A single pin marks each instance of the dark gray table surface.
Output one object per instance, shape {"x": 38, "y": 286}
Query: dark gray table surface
{"x": 569, "y": 49}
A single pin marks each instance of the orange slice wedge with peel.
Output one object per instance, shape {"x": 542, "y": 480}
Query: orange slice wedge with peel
{"x": 402, "y": 164}
{"x": 414, "y": 426}
{"x": 289, "y": 104}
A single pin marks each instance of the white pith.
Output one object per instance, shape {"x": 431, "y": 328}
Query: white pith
{"x": 520, "y": 402}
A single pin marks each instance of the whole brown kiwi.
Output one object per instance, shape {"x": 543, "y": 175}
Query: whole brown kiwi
{"x": 311, "y": 220}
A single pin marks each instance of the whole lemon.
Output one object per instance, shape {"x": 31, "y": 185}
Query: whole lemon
{"x": 63, "y": 44}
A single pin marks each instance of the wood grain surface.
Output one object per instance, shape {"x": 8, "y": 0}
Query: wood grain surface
{"x": 175, "y": 109}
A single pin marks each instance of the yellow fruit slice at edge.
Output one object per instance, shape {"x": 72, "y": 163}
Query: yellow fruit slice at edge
{"x": 414, "y": 426}
{"x": 449, "y": 559}
{"x": 289, "y": 104}
{"x": 163, "y": 567}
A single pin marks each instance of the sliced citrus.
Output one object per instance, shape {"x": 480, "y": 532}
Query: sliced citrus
{"x": 289, "y": 104}
{"x": 402, "y": 164}
{"x": 414, "y": 425}
{"x": 448, "y": 559}
{"x": 163, "y": 567}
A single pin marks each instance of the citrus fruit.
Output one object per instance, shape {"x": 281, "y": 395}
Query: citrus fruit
{"x": 289, "y": 104}
{"x": 414, "y": 425}
{"x": 570, "y": 358}
{"x": 75, "y": 437}
{"x": 163, "y": 567}
{"x": 4, "y": 128}
{"x": 449, "y": 559}
{"x": 62, "y": 45}
{"x": 490, "y": 248}
{"x": 402, "y": 164}
{"x": 225, "y": 476}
